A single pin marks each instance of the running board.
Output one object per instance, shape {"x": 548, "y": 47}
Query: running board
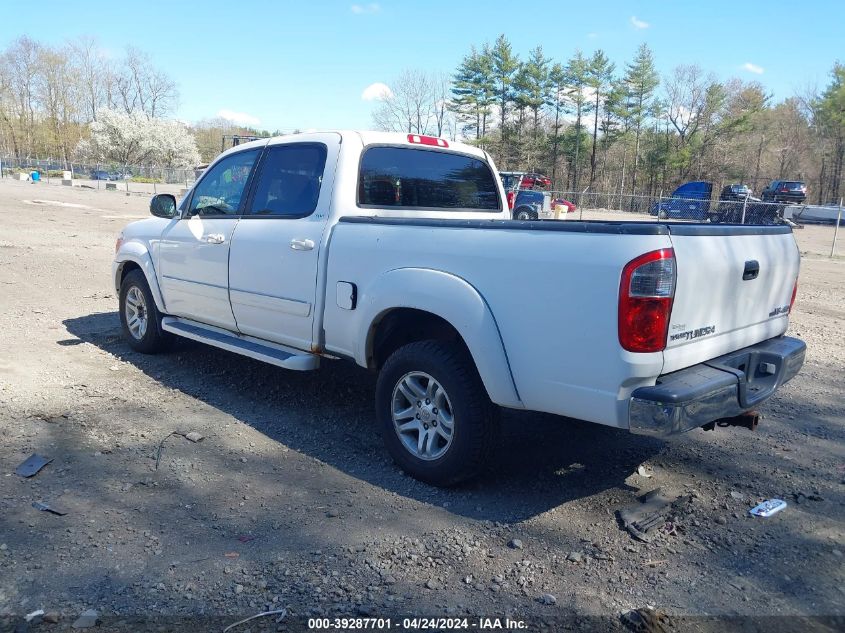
{"x": 265, "y": 351}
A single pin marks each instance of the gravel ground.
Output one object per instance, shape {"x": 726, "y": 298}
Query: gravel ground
{"x": 291, "y": 502}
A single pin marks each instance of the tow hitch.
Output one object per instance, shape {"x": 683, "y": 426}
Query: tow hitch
{"x": 748, "y": 420}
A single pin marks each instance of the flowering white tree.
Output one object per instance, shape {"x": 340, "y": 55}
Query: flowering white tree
{"x": 172, "y": 144}
{"x": 136, "y": 139}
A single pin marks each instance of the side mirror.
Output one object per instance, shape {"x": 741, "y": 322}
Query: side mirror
{"x": 163, "y": 205}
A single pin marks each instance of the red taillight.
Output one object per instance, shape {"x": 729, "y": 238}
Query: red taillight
{"x": 784, "y": 189}
{"x": 511, "y": 196}
{"x": 419, "y": 139}
{"x": 794, "y": 293}
{"x": 646, "y": 292}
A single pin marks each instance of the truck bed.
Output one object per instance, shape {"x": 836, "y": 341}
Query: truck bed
{"x": 553, "y": 290}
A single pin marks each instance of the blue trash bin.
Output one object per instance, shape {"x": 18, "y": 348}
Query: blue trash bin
{"x": 35, "y": 176}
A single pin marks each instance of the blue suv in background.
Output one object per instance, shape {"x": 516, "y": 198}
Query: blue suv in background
{"x": 690, "y": 201}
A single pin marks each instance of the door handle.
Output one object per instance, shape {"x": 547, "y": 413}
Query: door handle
{"x": 301, "y": 245}
{"x": 214, "y": 238}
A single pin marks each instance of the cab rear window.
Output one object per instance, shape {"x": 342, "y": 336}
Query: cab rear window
{"x": 411, "y": 178}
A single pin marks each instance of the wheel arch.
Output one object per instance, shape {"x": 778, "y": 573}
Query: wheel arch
{"x": 134, "y": 256}
{"x": 408, "y": 304}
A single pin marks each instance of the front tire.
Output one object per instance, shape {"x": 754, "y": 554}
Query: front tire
{"x": 436, "y": 419}
{"x": 524, "y": 214}
{"x": 139, "y": 317}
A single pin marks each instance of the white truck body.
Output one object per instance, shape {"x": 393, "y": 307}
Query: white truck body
{"x": 293, "y": 290}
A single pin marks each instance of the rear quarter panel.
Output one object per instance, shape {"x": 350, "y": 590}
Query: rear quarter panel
{"x": 554, "y": 296}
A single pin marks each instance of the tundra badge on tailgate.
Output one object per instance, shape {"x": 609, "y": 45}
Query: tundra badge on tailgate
{"x": 689, "y": 335}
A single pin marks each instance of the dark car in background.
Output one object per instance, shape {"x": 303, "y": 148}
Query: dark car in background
{"x": 736, "y": 192}
{"x": 99, "y": 174}
{"x": 789, "y": 191}
{"x": 690, "y": 201}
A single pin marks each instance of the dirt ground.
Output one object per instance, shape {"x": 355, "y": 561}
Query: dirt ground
{"x": 291, "y": 502}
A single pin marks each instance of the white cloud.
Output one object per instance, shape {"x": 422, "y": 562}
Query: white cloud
{"x": 376, "y": 91}
{"x": 592, "y": 35}
{"x": 639, "y": 24}
{"x": 242, "y": 118}
{"x": 365, "y": 8}
{"x": 753, "y": 68}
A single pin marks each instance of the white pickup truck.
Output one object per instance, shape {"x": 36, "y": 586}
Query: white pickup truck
{"x": 398, "y": 252}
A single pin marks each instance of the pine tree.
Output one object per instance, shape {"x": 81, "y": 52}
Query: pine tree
{"x": 577, "y": 73}
{"x": 532, "y": 89}
{"x": 641, "y": 80}
{"x": 599, "y": 78}
{"x": 557, "y": 83}
{"x": 473, "y": 90}
{"x": 505, "y": 65}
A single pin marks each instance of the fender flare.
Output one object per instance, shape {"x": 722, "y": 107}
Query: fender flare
{"x": 137, "y": 253}
{"x": 456, "y": 301}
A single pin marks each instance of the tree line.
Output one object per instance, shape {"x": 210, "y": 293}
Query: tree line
{"x": 75, "y": 102}
{"x": 590, "y": 124}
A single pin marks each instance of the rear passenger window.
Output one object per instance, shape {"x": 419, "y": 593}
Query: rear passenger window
{"x": 289, "y": 180}
{"x": 409, "y": 178}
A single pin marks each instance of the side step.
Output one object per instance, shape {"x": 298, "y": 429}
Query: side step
{"x": 272, "y": 353}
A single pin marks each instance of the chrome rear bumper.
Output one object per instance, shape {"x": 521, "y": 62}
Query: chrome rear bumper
{"x": 720, "y": 388}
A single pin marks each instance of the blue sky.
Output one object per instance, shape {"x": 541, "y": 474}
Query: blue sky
{"x": 306, "y": 64}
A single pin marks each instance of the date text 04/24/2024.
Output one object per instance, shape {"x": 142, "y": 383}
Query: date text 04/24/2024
{"x": 415, "y": 624}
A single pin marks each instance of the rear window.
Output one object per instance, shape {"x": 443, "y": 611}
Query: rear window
{"x": 792, "y": 186}
{"x": 413, "y": 178}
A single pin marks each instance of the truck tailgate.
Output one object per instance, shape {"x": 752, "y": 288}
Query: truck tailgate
{"x": 734, "y": 288}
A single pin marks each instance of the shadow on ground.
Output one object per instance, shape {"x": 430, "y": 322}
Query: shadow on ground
{"x": 542, "y": 461}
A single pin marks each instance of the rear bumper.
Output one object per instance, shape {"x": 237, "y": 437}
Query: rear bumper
{"x": 720, "y": 388}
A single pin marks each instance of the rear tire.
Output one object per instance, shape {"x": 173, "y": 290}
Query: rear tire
{"x": 436, "y": 419}
{"x": 524, "y": 214}
{"x": 139, "y": 316}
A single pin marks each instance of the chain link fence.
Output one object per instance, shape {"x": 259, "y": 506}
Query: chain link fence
{"x": 598, "y": 206}
{"x": 50, "y": 170}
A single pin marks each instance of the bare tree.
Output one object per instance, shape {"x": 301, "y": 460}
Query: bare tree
{"x": 142, "y": 87}
{"x": 416, "y": 104}
{"x": 94, "y": 75}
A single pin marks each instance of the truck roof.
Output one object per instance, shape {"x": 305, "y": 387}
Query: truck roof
{"x": 371, "y": 137}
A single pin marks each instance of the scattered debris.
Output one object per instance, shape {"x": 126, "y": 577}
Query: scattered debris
{"x": 643, "y": 472}
{"x": 46, "y": 507}
{"x": 280, "y": 612}
{"x": 575, "y": 557}
{"x": 647, "y": 620}
{"x": 654, "y": 563}
{"x": 29, "y": 617}
{"x": 86, "y": 620}
{"x": 231, "y": 555}
{"x": 52, "y": 617}
{"x": 246, "y": 538}
{"x": 737, "y": 495}
{"x": 547, "y": 598}
{"x": 32, "y": 465}
{"x": 194, "y": 436}
{"x": 432, "y": 584}
{"x": 515, "y": 543}
{"x": 652, "y": 511}
{"x": 768, "y": 508}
